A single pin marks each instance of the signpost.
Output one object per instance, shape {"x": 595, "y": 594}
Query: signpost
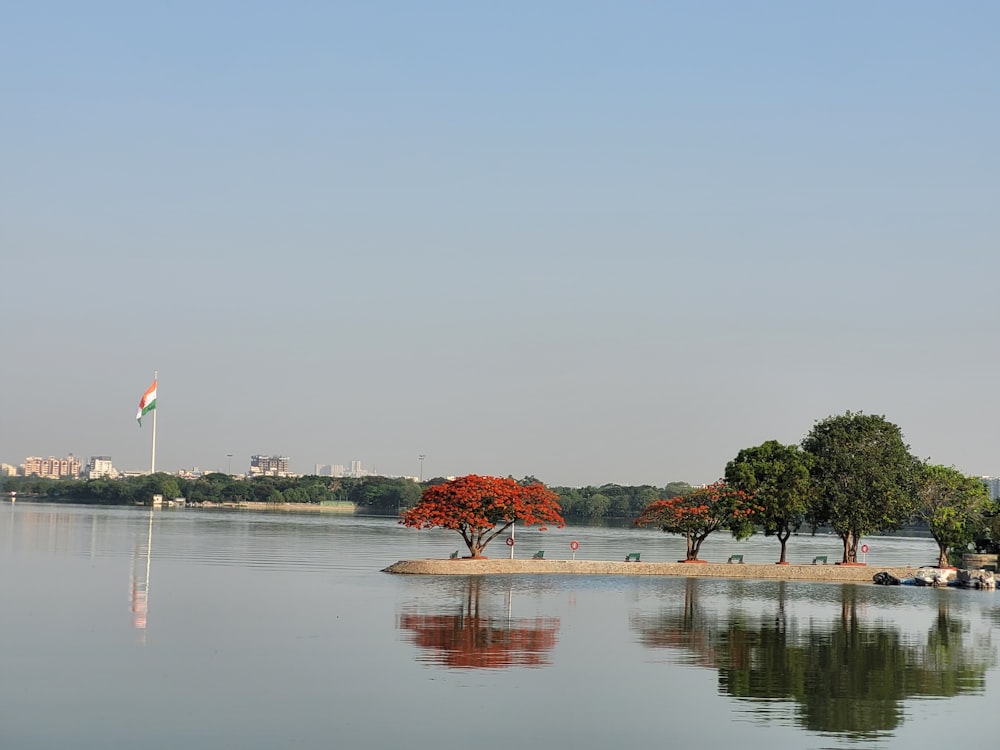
{"x": 574, "y": 545}
{"x": 864, "y": 551}
{"x": 510, "y": 543}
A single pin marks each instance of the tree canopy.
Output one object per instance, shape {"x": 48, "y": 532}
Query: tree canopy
{"x": 613, "y": 500}
{"x": 701, "y": 512}
{"x": 777, "y": 477}
{"x": 481, "y": 508}
{"x": 954, "y": 507}
{"x": 864, "y": 474}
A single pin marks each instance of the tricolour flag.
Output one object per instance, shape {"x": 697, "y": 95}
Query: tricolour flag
{"x": 147, "y": 403}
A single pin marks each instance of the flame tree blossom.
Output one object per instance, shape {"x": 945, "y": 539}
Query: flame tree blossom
{"x": 697, "y": 514}
{"x": 482, "y": 508}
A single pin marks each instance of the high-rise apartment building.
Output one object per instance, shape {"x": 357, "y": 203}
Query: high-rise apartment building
{"x": 52, "y": 467}
{"x": 273, "y": 466}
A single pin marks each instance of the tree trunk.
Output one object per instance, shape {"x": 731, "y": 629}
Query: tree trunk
{"x": 943, "y": 561}
{"x": 846, "y": 539}
{"x": 476, "y": 541}
{"x": 852, "y": 550}
{"x": 783, "y": 539}
{"x": 695, "y": 546}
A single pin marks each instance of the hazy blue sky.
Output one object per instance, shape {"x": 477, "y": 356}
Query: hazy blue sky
{"x": 590, "y": 241}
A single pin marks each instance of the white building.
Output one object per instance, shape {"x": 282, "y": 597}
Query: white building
{"x": 992, "y": 486}
{"x": 100, "y": 466}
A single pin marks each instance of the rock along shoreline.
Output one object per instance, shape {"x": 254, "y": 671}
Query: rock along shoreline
{"x": 465, "y": 566}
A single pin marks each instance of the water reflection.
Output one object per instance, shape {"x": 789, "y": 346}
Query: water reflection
{"x": 848, "y": 674}
{"x": 142, "y": 552}
{"x": 479, "y": 632}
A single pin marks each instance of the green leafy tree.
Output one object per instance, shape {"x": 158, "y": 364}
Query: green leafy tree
{"x": 596, "y": 506}
{"x": 673, "y": 489}
{"x": 954, "y": 507}
{"x": 864, "y": 474}
{"x": 141, "y": 489}
{"x": 613, "y": 500}
{"x": 384, "y": 494}
{"x": 989, "y": 540}
{"x": 777, "y": 478}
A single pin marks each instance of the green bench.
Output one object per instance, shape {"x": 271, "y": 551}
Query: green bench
{"x": 819, "y": 560}
{"x": 736, "y": 558}
{"x": 453, "y": 555}
{"x": 632, "y": 557}
{"x": 538, "y": 555}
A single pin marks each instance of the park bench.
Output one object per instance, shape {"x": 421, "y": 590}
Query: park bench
{"x": 632, "y": 557}
{"x": 736, "y": 558}
{"x": 538, "y": 555}
{"x": 453, "y": 555}
{"x": 819, "y": 560}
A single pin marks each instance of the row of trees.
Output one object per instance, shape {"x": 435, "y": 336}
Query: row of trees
{"x": 372, "y": 494}
{"x": 612, "y": 500}
{"x": 852, "y": 473}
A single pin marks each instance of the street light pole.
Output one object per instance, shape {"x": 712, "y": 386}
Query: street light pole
{"x": 229, "y": 466}
{"x": 422, "y": 457}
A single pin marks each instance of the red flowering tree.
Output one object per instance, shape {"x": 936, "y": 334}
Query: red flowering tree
{"x": 699, "y": 513}
{"x": 482, "y": 508}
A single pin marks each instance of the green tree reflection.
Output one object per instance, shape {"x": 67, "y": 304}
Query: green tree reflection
{"x": 843, "y": 676}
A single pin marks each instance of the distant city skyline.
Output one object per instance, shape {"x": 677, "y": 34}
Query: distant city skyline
{"x": 262, "y": 465}
{"x": 590, "y": 242}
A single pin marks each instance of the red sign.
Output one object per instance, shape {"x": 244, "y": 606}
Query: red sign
{"x": 574, "y": 545}
{"x": 864, "y": 549}
{"x": 510, "y": 541}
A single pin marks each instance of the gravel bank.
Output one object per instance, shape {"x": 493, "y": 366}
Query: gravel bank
{"x": 860, "y": 573}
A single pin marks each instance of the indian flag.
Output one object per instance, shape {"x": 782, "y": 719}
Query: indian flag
{"x": 147, "y": 403}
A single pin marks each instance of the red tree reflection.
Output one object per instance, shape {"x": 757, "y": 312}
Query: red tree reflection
{"x": 472, "y": 639}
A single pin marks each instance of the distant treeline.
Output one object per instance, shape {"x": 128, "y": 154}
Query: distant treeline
{"x": 371, "y": 494}
{"x": 376, "y": 494}
{"x": 614, "y": 500}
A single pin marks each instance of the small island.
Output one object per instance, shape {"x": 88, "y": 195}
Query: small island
{"x": 503, "y": 566}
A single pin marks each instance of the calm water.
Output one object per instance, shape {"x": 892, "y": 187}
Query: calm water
{"x": 226, "y": 629}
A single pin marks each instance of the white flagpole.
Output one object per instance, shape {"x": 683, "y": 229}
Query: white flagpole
{"x": 152, "y": 462}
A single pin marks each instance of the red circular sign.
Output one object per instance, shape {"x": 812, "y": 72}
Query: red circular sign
{"x": 574, "y": 545}
{"x": 510, "y": 541}
{"x": 864, "y": 549}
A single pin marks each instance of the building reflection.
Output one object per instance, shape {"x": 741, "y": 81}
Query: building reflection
{"x": 842, "y": 676}
{"x": 476, "y": 633}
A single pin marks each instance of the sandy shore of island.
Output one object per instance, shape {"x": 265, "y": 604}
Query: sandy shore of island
{"x": 461, "y": 566}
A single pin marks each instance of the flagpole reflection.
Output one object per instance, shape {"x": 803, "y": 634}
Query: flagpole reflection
{"x": 140, "y": 583}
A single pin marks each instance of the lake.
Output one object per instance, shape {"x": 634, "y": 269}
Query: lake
{"x": 125, "y": 627}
